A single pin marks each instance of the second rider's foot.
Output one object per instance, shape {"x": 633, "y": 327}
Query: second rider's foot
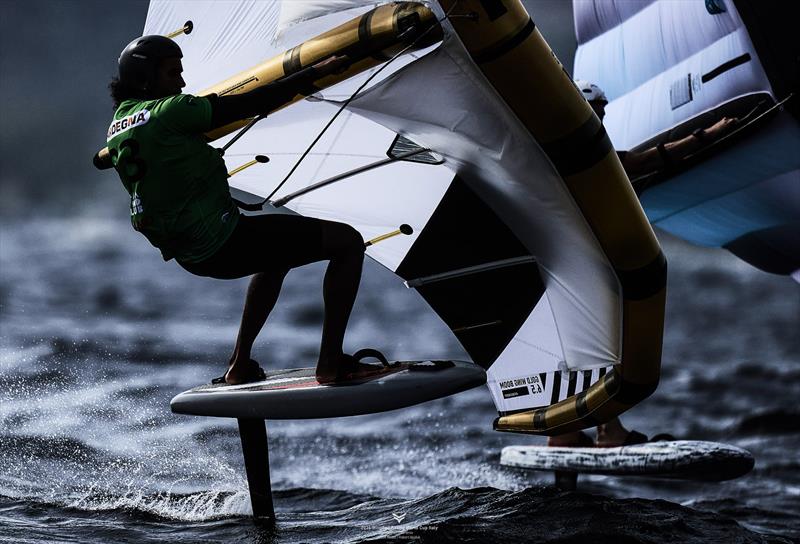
{"x": 243, "y": 371}
{"x": 612, "y": 434}
{"x": 577, "y": 439}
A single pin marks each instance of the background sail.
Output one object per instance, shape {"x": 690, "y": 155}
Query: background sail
{"x": 671, "y": 67}
{"x": 494, "y": 227}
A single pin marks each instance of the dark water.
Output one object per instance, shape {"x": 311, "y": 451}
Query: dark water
{"x": 97, "y": 334}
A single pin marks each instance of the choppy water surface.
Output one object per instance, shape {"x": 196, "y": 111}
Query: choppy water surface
{"x": 97, "y": 334}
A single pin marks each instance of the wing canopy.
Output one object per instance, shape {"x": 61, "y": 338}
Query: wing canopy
{"x": 528, "y": 240}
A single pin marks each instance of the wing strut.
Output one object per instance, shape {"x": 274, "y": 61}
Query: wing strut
{"x": 284, "y": 200}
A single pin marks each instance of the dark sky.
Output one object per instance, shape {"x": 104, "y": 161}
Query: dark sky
{"x": 56, "y": 59}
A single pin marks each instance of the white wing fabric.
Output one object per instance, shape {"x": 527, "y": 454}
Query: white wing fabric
{"x": 577, "y": 325}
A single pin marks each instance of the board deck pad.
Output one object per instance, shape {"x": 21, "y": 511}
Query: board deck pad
{"x": 678, "y": 459}
{"x": 293, "y": 378}
{"x": 296, "y": 394}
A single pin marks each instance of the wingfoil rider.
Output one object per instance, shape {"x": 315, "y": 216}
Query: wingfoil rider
{"x": 180, "y": 199}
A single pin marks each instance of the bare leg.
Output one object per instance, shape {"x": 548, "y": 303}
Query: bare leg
{"x": 262, "y": 294}
{"x": 345, "y": 248}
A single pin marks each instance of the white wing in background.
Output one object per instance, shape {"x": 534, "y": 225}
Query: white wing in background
{"x": 671, "y": 67}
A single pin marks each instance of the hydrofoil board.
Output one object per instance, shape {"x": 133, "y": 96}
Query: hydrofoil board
{"x": 296, "y": 394}
{"x": 678, "y": 459}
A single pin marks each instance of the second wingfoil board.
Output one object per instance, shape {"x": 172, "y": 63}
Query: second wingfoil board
{"x": 679, "y": 459}
{"x": 296, "y": 394}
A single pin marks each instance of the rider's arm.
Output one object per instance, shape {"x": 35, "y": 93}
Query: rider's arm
{"x": 661, "y": 157}
{"x": 264, "y": 99}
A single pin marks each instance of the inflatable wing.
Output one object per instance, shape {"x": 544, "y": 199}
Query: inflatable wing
{"x": 528, "y": 240}
{"x": 669, "y": 68}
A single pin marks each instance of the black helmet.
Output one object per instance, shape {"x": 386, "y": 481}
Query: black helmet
{"x": 138, "y": 62}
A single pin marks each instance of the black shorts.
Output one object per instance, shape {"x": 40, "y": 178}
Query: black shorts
{"x": 264, "y": 243}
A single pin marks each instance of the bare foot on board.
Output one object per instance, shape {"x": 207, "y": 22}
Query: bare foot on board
{"x": 244, "y": 371}
{"x": 349, "y": 367}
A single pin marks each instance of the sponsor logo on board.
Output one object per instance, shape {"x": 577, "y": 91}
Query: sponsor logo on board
{"x": 119, "y": 126}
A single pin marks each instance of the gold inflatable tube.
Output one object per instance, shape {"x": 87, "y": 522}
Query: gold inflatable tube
{"x": 367, "y": 41}
{"x": 502, "y": 40}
